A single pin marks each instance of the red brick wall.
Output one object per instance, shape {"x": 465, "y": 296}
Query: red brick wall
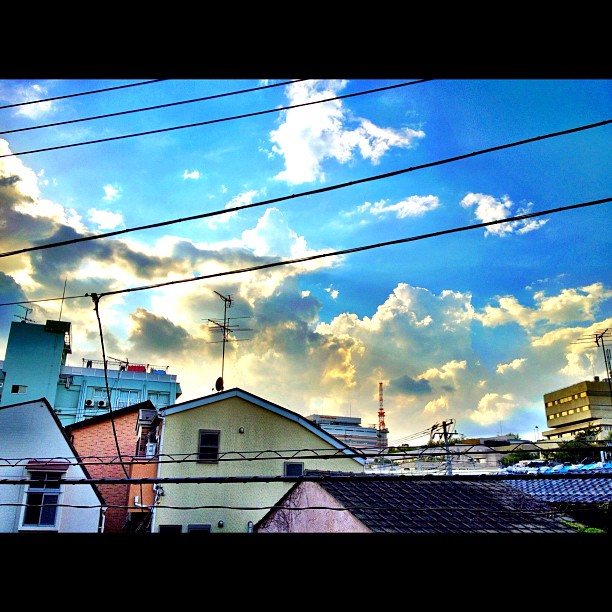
{"x": 95, "y": 443}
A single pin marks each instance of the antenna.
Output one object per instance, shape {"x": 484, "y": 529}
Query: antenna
{"x": 25, "y": 317}
{"x": 63, "y": 296}
{"x": 598, "y": 337}
{"x": 225, "y": 330}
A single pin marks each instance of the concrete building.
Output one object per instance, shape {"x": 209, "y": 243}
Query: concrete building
{"x": 35, "y": 366}
{"x": 352, "y": 433}
{"x": 578, "y": 407}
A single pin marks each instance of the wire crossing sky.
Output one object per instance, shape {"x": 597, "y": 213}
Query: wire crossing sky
{"x": 473, "y": 326}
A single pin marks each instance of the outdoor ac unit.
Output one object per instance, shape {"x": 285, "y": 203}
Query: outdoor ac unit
{"x": 89, "y": 402}
{"x": 101, "y": 403}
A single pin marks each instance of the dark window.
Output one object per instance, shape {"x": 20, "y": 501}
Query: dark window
{"x": 208, "y": 446}
{"x": 41, "y": 500}
{"x": 198, "y": 528}
{"x": 294, "y": 468}
{"x": 170, "y": 528}
{"x": 19, "y": 389}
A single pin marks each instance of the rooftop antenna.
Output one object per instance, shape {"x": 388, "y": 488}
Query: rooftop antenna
{"x": 598, "y": 336}
{"x": 225, "y": 330}
{"x": 25, "y": 317}
{"x": 63, "y": 296}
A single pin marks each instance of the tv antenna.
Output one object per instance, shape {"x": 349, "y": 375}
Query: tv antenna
{"x": 25, "y": 317}
{"x": 598, "y": 337}
{"x": 226, "y": 331}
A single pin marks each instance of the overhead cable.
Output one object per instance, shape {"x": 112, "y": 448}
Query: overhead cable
{"x": 304, "y": 193}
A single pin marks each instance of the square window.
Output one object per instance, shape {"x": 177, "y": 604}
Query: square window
{"x": 294, "y": 468}
{"x": 208, "y": 446}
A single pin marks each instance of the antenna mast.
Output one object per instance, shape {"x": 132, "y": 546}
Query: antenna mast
{"x": 225, "y": 330}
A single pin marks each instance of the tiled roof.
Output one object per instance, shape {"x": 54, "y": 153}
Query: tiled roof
{"x": 408, "y": 504}
{"x": 567, "y": 489}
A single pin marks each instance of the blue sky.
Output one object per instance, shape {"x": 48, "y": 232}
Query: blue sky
{"x": 473, "y": 326}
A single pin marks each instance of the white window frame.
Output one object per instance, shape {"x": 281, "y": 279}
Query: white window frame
{"x": 47, "y": 492}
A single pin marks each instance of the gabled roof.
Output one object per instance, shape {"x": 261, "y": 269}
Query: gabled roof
{"x": 266, "y": 405}
{"x": 438, "y": 505}
{"x": 66, "y": 437}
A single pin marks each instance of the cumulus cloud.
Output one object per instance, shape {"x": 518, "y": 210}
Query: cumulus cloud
{"x": 568, "y": 306}
{"x": 193, "y": 175}
{"x": 312, "y": 134}
{"x": 488, "y": 209}
{"x": 515, "y": 364}
{"x": 105, "y": 219}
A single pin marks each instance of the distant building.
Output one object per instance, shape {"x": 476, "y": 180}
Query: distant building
{"x": 578, "y": 407}
{"x": 352, "y": 433}
{"x": 35, "y": 366}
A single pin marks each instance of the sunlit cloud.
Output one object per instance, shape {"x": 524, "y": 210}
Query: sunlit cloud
{"x": 488, "y": 209}
{"x": 313, "y": 134}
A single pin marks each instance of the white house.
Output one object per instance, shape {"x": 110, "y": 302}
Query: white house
{"x": 35, "y": 457}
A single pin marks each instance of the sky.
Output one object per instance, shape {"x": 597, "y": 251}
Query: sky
{"x": 342, "y": 230}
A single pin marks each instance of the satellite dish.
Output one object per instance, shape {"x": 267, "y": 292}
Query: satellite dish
{"x": 219, "y": 384}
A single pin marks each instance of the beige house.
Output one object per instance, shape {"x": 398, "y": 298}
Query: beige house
{"x": 227, "y": 458}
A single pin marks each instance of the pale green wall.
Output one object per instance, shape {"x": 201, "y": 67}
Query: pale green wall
{"x": 263, "y": 431}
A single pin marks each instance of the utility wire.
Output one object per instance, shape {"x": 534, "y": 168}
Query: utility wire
{"x": 305, "y": 193}
{"x": 148, "y": 108}
{"x": 83, "y": 93}
{"x": 322, "y": 255}
{"x": 200, "y": 123}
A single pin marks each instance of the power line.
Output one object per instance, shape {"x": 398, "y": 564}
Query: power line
{"x": 304, "y": 193}
{"x": 322, "y": 255}
{"x": 83, "y": 93}
{"x": 211, "y": 121}
{"x": 148, "y": 108}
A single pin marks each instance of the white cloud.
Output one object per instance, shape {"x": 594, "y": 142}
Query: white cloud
{"x": 492, "y": 408}
{"x": 193, "y": 175}
{"x": 515, "y": 364}
{"x": 242, "y": 199}
{"x": 412, "y": 206}
{"x": 567, "y": 306}
{"x": 105, "y": 219}
{"x": 312, "y": 134}
{"x": 112, "y": 192}
{"x": 489, "y": 209}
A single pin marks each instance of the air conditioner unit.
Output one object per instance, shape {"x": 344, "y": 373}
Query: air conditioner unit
{"x": 88, "y": 402}
{"x": 101, "y": 403}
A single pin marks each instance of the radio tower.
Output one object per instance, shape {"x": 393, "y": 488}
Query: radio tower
{"x": 382, "y": 428}
{"x": 381, "y": 412}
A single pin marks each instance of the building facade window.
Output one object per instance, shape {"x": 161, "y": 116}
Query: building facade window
{"x": 42, "y": 497}
{"x": 208, "y": 446}
{"x": 20, "y": 389}
{"x": 159, "y": 399}
{"x": 293, "y": 468}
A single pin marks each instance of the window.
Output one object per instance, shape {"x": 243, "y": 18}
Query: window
{"x": 195, "y": 528}
{"x": 19, "y": 389}
{"x": 41, "y": 500}
{"x": 294, "y": 468}
{"x": 159, "y": 398}
{"x": 170, "y": 529}
{"x": 208, "y": 446}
